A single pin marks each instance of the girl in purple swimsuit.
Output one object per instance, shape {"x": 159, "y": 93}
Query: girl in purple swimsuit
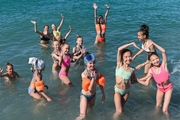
{"x": 159, "y": 71}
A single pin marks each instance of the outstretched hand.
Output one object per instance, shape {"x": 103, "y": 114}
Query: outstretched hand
{"x": 134, "y": 44}
{"x": 95, "y": 6}
{"x": 62, "y": 16}
{"x": 107, "y": 6}
{"x": 70, "y": 27}
{"x": 33, "y": 22}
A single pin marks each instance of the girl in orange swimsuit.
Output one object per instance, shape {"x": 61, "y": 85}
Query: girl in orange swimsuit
{"x": 159, "y": 71}
{"x": 100, "y": 24}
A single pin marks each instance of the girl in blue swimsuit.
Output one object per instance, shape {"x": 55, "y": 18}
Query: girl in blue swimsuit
{"x": 124, "y": 73}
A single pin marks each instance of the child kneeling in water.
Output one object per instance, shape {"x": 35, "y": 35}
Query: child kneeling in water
{"x": 90, "y": 77}
{"x": 37, "y": 85}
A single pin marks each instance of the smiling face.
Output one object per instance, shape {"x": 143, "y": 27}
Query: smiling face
{"x": 53, "y": 27}
{"x": 91, "y": 65}
{"x": 65, "y": 49}
{"x": 154, "y": 60}
{"x": 127, "y": 57}
{"x": 140, "y": 36}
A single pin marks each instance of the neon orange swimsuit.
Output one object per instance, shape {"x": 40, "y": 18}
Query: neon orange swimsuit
{"x": 103, "y": 27}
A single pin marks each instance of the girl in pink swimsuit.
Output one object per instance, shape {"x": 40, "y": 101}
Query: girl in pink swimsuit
{"x": 159, "y": 71}
{"x": 64, "y": 62}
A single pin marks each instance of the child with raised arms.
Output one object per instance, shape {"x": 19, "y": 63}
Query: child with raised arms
{"x": 124, "y": 76}
{"x": 37, "y": 85}
{"x": 45, "y": 35}
{"x": 143, "y": 35}
{"x": 100, "y": 24}
{"x": 159, "y": 71}
{"x": 56, "y": 30}
{"x": 90, "y": 78}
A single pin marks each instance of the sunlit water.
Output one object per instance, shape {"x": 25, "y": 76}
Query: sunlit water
{"x": 18, "y": 42}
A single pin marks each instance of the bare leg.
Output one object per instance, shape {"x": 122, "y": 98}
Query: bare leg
{"x": 65, "y": 80}
{"x": 120, "y": 101}
{"x": 159, "y": 97}
{"x": 35, "y": 95}
{"x": 83, "y": 108}
{"x": 167, "y": 99}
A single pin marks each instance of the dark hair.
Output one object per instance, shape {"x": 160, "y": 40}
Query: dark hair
{"x": 124, "y": 51}
{"x": 78, "y": 36}
{"x": 145, "y": 30}
{"x": 152, "y": 53}
{"x": 47, "y": 26}
{"x": 9, "y": 64}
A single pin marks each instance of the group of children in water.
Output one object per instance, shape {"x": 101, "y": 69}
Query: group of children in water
{"x": 125, "y": 74}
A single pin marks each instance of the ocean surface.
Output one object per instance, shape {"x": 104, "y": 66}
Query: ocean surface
{"x": 18, "y": 42}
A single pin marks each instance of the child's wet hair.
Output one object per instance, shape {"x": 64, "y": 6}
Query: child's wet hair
{"x": 152, "y": 53}
{"x": 9, "y": 64}
{"x": 124, "y": 51}
{"x": 145, "y": 30}
{"x": 78, "y": 36}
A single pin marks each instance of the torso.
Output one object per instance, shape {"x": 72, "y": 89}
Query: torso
{"x": 123, "y": 77}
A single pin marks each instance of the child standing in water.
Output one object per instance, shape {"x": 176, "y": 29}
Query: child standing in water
{"x": 37, "y": 85}
{"x": 90, "y": 78}
{"x": 159, "y": 71}
{"x": 10, "y": 74}
{"x": 77, "y": 48}
{"x": 65, "y": 61}
{"x": 100, "y": 24}
{"x": 55, "y": 56}
{"x": 56, "y": 30}
{"x": 143, "y": 35}
{"x": 45, "y": 35}
{"x": 124, "y": 74}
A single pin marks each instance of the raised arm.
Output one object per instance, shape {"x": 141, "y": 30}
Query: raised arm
{"x": 95, "y": 13}
{"x": 163, "y": 51}
{"x": 35, "y": 28}
{"x": 67, "y": 34}
{"x": 138, "y": 53}
{"x": 106, "y": 13}
{"x": 119, "y": 62}
{"x": 60, "y": 24}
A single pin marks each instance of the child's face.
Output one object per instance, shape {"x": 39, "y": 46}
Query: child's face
{"x": 58, "y": 37}
{"x": 56, "y": 45}
{"x": 140, "y": 36}
{"x": 9, "y": 69}
{"x": 65, "y": 49}
{"x": 53, "y": 26}
{"x": 127, "y": 57}
{"x": 91, "y": 65}
{"x": 46, "y": 28}
{"x": 155, "y": 60}
{"x": 79, "y": 41}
